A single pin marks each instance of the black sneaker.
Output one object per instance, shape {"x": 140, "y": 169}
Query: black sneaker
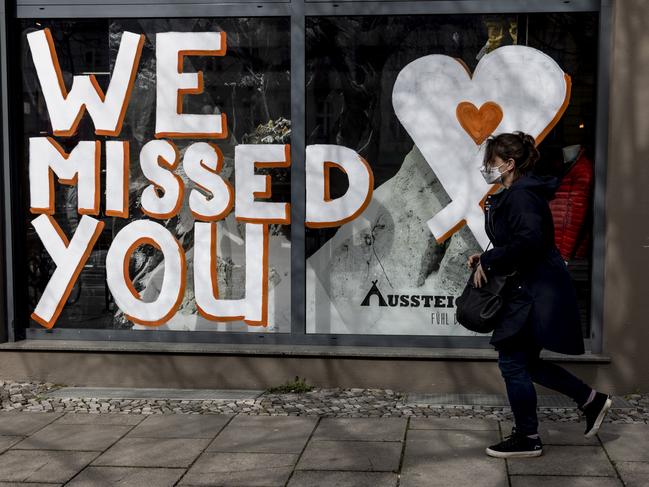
{"x": 516, "y": 445}
{"x": 595, "y": 411}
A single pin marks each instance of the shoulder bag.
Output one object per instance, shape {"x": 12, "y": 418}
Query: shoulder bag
{"x": 477, "y": 307}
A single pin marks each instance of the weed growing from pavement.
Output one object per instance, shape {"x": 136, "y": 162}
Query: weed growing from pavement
{"x": 297, "y": 385}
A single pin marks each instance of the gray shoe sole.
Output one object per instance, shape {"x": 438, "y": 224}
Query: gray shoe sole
{"x": 600, "y": 418}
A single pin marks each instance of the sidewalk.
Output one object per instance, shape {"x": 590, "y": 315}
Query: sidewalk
{"x": 81, "y": 449}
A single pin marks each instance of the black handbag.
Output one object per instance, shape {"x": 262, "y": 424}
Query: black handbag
{"x": 477, "y": 307}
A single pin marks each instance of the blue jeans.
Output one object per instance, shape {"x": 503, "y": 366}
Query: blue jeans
{"x": 520, "y": 366}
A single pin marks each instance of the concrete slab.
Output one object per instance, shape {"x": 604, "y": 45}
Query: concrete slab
{"x": 634, "y": 474}
{"x": 453, "y": 424}
{"x": 476, "y": 471}
{"x": 42, "y": 466}
{"x": 27, "y": 484}
{"x": 80, "y": 437}
{"x": 24, "y": 424}
{"x": 442, "y": 443}
{"x": 264, "y": 434}
{"x": 7, "y": 442}
{"x": 153, "y": 393}
{"x": 564, "y": 460}
{"x": 181, "y": 426}
{"x": 563, "y": 481}
{"x": 119, "y": 419}
{"x": 152, "y": 452}
{"x": 361, "y": 429}
{"x": 500, "y": 400}
{"x": 451, "y": 457}
{"x": 375, "y": 456}
{"x": 275, "y": 349}
{"x": 311, "y": 478}
{"x": 249, "y": 469}
{"x": 127, "y": 477}
{"x": 626, "y": 442}
{"x": 557, "y": 433}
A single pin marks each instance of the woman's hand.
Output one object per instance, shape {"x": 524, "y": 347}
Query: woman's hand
{"x": 473, "y": 260}
{"x": 479, "y": 276}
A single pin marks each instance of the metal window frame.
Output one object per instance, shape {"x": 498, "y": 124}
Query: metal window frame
{"x": 298, "y": 10}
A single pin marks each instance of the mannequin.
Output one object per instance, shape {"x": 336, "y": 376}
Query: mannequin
{"x": 571, "y": 205}
{"x": 570, "y": 153}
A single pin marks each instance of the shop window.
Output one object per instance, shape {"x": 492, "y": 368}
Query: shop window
{"x": 248, "y": 82}
{"x": 386, "y": 272}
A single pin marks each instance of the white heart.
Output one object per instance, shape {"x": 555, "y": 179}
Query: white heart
{"x": 528, "y": 85}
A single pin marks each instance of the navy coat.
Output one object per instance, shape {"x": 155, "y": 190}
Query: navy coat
{"x": 519, "y": 224}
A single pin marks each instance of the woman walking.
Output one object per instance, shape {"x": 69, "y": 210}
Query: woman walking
{"x": 540, "y": 309}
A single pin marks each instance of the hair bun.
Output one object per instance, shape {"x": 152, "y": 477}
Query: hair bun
{"x": 513, "y": 145}
{"x": 527, "y": 139}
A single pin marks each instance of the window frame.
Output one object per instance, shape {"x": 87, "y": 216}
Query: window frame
{"x": 297, "y": 10}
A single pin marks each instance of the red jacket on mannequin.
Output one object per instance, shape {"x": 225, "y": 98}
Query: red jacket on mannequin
{"x": 571, "y": 209}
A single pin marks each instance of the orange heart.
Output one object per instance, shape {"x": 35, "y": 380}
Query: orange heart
{"x": 479, "y": 123}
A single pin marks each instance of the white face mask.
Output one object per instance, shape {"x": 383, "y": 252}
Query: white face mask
{"x": 492, "y": 175}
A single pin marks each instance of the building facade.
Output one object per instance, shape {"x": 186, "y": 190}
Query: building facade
{"x": 206, "y": 194}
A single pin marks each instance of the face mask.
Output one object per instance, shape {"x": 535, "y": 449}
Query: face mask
{"x": 492, "y": 175}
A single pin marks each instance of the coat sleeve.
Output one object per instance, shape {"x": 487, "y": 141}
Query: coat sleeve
{"x": 526, "y": 239}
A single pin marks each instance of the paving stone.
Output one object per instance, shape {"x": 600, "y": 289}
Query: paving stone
{"x": 27, "y": 484}
{"x": 152, "y": 452}
{"x": 433, "y": 423}
{"x": 249, "y": 469}
{"x": 42, "y": 466}
{"x": 24, "y": 424}
{"x": 446, "y": 472}
{"x": 314, "y": 478}
{"x": 119, "y": 419}
{"x": 563, "y": 481}
{"x": 140, "y": 393}
{"x": 626, "y": 442}
{"x": 451, "y": 457}
{"x": 7, "y": 442}
{"x": 634, "y": 474}
{"x": 461, "y": 442}
{"x": 127, "y": 477}
{"x": 376, "y": 456}
{"x": 562, "y": 433}
{"x": 264, "y": 434}
{"x": 81, "y": 437}
{"x": 361, "y": 429}
{"x": 181, "y": 426}
{"x": 564, "y": 460}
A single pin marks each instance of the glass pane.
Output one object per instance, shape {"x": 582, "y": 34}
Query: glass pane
{"x": 385, "y": 272}
{"x": 250, "y": 84}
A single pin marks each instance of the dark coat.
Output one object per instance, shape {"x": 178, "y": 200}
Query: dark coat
{"x": 519, "y": 224}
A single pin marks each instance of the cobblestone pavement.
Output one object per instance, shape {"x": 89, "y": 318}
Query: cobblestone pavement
{"x": 29, "y": 397}
{"x": 157, "y": 450}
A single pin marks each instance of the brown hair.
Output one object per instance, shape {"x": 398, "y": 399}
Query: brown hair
{"x": 518, "y": 146}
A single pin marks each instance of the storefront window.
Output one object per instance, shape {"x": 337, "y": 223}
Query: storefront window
{"x": 388, "y": 87}
{"x": 154, "y": 186}
{"x": 243, "y": 91}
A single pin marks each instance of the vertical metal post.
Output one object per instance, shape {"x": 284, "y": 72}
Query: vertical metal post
{"x": 298, "y": 193}
{"x": 601, "y": 160}
{"x": 6, "y": 270}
